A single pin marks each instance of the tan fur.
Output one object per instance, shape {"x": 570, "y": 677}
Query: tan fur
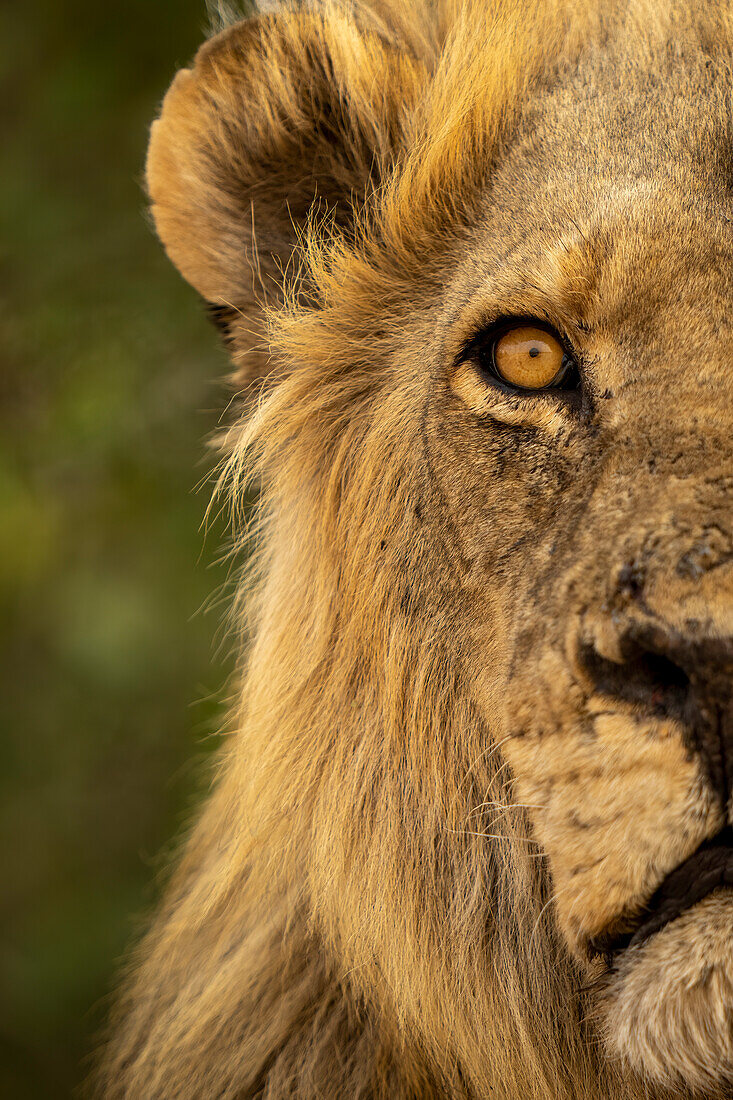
{"x": 669, "y": 1009}
{"x": 428, "y": 809}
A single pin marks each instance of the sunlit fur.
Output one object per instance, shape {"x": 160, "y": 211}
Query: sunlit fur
{"x": 365, "y": 908}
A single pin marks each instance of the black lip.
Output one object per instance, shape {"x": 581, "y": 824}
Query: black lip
{"x": 710, "y": 867}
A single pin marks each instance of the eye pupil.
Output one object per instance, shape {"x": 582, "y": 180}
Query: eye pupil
{"x": 534, "y": 352}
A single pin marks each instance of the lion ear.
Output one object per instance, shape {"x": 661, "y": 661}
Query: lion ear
{"x": 276, "y": 112}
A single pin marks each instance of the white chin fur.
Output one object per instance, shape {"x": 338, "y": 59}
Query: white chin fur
{"x": 668, "y": 1009}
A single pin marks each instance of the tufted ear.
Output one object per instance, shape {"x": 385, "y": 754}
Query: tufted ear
{"x": 276, "y": 113}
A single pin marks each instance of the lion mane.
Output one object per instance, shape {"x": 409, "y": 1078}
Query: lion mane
{"x": 361, "y": 909}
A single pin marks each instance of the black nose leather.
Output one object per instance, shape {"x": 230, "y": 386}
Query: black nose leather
{"x": 671, "y": 675}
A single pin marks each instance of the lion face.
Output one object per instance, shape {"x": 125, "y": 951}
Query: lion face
{"x": 600, "y": 589}
{"x": 501, "y": 429}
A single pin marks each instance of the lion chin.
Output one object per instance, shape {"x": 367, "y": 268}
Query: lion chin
{"x": 667, "y": 1011}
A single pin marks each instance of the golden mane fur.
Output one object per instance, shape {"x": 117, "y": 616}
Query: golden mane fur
{"x": 362, "y": 909}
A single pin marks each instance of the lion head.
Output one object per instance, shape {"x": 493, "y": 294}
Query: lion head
{"x": 472, "y": 834}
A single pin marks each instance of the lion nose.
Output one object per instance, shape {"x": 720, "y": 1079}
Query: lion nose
{"x": 673, "y": 676}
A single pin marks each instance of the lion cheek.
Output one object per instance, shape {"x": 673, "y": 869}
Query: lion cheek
{"x": 667, "y": 1010}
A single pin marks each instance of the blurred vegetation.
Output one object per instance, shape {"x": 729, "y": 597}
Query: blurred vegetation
{"x": 112, "y": 683}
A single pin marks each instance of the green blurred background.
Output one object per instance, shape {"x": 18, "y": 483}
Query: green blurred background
{"x": 113, "y": 674}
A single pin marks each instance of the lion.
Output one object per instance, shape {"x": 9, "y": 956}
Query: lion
{"x": 470, "y": 836}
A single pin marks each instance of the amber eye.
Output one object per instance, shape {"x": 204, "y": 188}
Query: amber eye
{"x": 530, "y": 358}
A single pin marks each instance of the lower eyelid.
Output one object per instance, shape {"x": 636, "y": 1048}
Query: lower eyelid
{"x": 490, "y": 399}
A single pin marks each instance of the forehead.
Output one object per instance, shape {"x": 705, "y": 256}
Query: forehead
{"x": 612, "y": 200}
{"x": 633, "y": 117}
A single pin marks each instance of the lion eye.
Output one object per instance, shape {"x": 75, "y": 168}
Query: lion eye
{"x": 530, "y": 358}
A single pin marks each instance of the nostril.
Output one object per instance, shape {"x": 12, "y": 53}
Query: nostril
{"x": 645, "y": 678}
{"x": 687, "y": 677}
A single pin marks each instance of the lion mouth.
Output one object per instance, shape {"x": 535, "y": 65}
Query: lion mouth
{"x": 707, "y": 869}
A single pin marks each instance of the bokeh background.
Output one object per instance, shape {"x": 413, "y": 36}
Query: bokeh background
{"x": 113, "y": 670}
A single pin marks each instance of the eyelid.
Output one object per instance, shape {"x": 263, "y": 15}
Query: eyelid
{"x": 495, "y": 401}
